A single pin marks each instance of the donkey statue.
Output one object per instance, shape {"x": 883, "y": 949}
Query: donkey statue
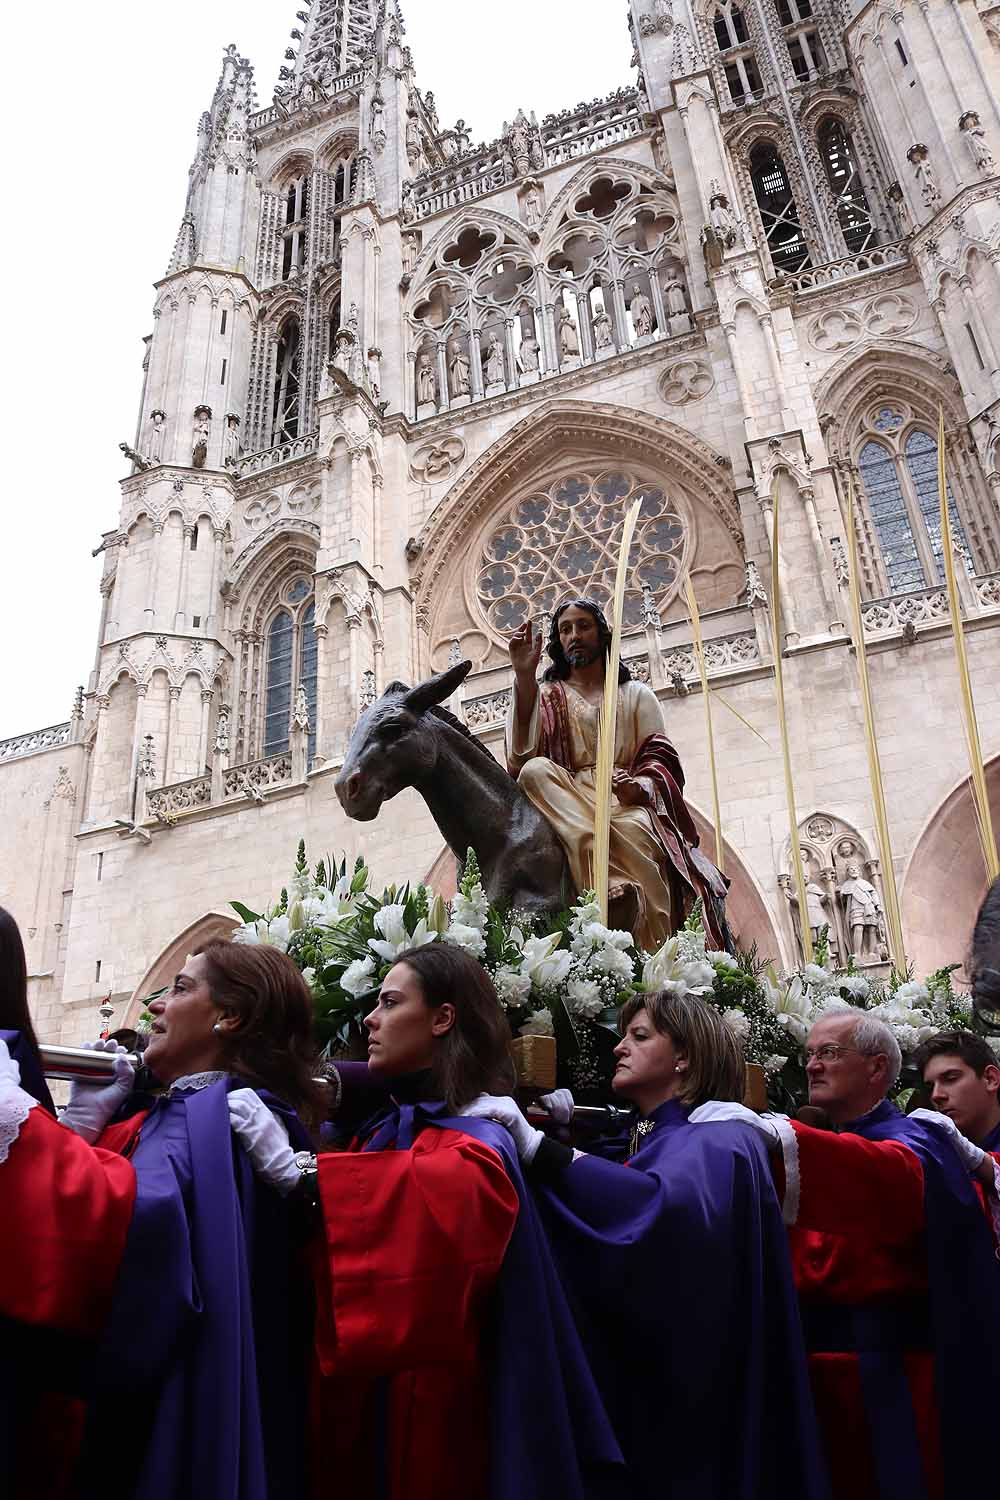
{"x": 407, "y": 739}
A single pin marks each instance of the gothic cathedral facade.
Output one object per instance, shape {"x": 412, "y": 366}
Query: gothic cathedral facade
{"x": 400, "y": 389}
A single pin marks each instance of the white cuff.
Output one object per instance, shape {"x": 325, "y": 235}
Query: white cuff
{"x": 15, "y": 1106}
{"x": 790, "y": 1158}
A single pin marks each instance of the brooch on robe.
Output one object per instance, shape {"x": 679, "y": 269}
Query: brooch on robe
{"x": 639, "y": 1132}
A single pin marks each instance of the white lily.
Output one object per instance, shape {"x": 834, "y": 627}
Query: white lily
{"x": 469, "y": 938}
{"x": 390, "y": 922}
{"x": 542, "y": 964}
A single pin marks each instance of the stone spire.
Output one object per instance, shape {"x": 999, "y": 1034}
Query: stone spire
{"x": 330, "y": 38}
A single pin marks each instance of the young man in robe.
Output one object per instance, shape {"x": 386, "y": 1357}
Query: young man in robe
{"x": 961, "y": 1072}
{"x": 656, "y": 869}
{"x": 895, "y": 1268}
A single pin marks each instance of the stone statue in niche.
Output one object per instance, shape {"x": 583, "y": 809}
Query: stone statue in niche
{"x": 642, "y": 313}
{"x": 231, "y": 456}
{"x": 569, "y": 341}
{"x": 157, "y": 423}
{"x": 865, "y": 918}
{"x": 495, "y": 373}
{"x": 818, "y": 909}
{"x": 377, "y": 119}
{"x": 200, "y": 436}
{"x": 532, "y": 205}
{"x": 676, "y": 301}
{"x": 604, "y": 335}
{"x": 430, "y": 109}
{"x": 721, "y": 217}
{"x": 930, "y": 193}
{"x": 414, "y": 148}
{"x": 407, "y": 207}
{"x": 460, "y": 374}
{"x": 408, "y": 248}
{"x": 527, "y": 356}
{"x": 426, "y": 384}
{"x": 975, "y": 138}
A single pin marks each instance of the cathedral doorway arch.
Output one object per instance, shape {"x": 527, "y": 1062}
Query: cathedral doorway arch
{"x": 945, "y": 880}
{"x": 214, "y": 924}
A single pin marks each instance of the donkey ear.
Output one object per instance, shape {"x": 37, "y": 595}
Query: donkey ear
{"x": 395, "y": 688}
{"x": 436, "y": 689}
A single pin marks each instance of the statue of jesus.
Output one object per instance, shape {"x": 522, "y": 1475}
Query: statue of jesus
{"x": 656, "y": 868}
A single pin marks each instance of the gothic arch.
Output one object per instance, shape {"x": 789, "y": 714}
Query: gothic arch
{"x": 294, "y": 163}
{"x": 338, "y": 147}
{"x": 891, "y": 366}
{"x": 945, "y": 881}
{"x": 288, "y": 545}
{"x": 470, "y": 214}
{"x": 647, "y": 178}
{"x": 214, "y": 924}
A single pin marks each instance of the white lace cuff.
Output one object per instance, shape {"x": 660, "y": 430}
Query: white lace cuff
{"x": 15, "y": 1106}
{"x": 790, "y": 1157}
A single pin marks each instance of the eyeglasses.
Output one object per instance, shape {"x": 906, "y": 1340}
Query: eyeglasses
{"x": 829, "y": 1052}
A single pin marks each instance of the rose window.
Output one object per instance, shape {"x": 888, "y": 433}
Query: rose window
{"x": 565, "y": 542}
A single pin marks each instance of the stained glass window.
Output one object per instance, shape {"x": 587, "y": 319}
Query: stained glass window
{"x": 278, "y": 697}
{"x": 892, "y": 521}
{"x": 307, "y": 670}
{"x": 564, "y": 542}
{"x": 921, "y": 461}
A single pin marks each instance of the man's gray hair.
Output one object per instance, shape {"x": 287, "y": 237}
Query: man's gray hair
{"x": 871, "y": 1037}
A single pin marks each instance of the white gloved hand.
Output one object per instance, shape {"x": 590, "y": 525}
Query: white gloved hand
{"x": 91, "y": 1105}
{"x": 264, "y": 1139}
{"x": 503, "y": 1109}
{"x": 717, "y": 1112}
{"x": 559, "y": 1105}
{"x": 969, "y": 1153}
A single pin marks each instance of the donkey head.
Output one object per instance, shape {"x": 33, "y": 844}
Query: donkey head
{"x": 395, "y": 742}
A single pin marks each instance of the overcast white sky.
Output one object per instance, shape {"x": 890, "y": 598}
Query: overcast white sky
{"x": 102, "y": 103}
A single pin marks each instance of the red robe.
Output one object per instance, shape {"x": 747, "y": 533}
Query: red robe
{"x": 413, "y": 1243}
{"x": 66, "y": 1209}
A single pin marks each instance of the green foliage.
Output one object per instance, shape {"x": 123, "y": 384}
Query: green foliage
{"x": 244, "y": 913}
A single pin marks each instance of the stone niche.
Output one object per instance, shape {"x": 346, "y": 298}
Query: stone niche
{"x": 842, "y": 879}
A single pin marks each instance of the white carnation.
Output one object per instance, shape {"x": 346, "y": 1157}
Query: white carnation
{"x": 855, "y": 985}
{"x": 818, "y": 977}
{"x": 512, "y": 987}
{"x": 247, "y": 933}
{"x": 738, "y": 1023}
{"x": 358, "y": 977}
{"x": 912, "y": 995}
{"x": 539, "y": 1023}
{"x": 584, "y": 997}
{"x": 469, "y": 938}
{"x": 612, "y": 961}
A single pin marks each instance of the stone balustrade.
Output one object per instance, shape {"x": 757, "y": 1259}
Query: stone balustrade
{"x": 258, "y": 463}
{"x": 38, "y": 739}
{"x": 987, "y": 593}
{"x": 919, "y": 607}
{"x": 181, "y": 797}
{"x": 258, "y": 776}
{"x": 280, "y": 110}
{"x": 818, "y": 278}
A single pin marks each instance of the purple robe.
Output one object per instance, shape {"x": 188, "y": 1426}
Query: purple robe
{"x": 199, "y": 1384}
{"x": 551, "y": 1439}
{"x": 991, "y": 1142}
{"x": 964, "y": 1293}
{"x": 679, "y": 1266}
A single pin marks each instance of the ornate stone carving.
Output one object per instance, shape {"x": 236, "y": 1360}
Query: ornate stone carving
{"x": 975, "y": 138}
{"x": 864, "y": 916}
{"x": 569, "y": 341}
{"x": 841, "y": 327}
{"x": 753, "y": 593}
{"x": 642, "y": 313}
{"x": 231, "y": 455}
{"x": 154, "y": 442}
{"x": 686, "y": 380}
{"x": 200, "y": 436}
{"x": 923, "y": 172}
{"x": 604, "y": 336}
{"x": 426, "y": 381}
{"x": 459, "y": 372}
{"x": 436, "y": 461}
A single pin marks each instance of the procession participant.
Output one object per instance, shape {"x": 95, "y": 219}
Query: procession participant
{"x": 15, "y": 1019}
{"x": 961, "y": 1072}
{"x": 894, "y": 1265}
{"x": 656, "y": 869}
{"x": 207, "y": 1337}
{"x": 679, "y": 1264}
{"x": 448, "y": 1363}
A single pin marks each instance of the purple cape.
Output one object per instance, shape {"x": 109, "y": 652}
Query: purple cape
{"x": 550, "y": 1435}
{"x": 964, "y": 1293}
{"x": 991, "y": 1142}
{"x": 199, "y": 1384}
{"x": 679, "y": 1265}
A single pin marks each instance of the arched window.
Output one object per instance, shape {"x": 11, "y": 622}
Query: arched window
{"x": 278, "y": 691}
{"x": 741, "y": 71}
{"x": 333, "y": 323}
{"x": 899, "y": 477}
{"x": 293, "y": 251}
{"x": 290, "y": 663}
{"x": 778, "y": 211}
{"x": 285, "y": 409}
{"x": 853, "y": 214}
{"x": 730, "y": 27}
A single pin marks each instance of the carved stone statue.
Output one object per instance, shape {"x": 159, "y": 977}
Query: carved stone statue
{"x": 930, "y": 193}
{"x": 430, "y": 109}
{"x": 604, "y": 334}
{"x": 460, "y": 375}
{"x": 157, "y": 424}
{"x": 865, "y": 918}
{"x": 141, "y": 463}
{"x": 495, "y": 372}
{"x": 200, "y": 436}
{"x": 426, "y": 384}
{"x": 676, "y": 301}
{"x": 414, "y": 147}
{"x": 642, "y": 313}
{"x": 407, "y": 207}
{"x": 231, "y": 457}
{"x": 818, "y": 913}
{"x": 527, "y": 356}
{"x": 721, "y": 218}
{"x": 532, "y": 205}
{"x": 569, "y": 342}
{"x": 408, "y": 248}
{"x": 975, "y": 138}
{"x": 377, "y": 119}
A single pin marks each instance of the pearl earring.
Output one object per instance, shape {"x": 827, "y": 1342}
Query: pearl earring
{"x": 217, "y": 1026}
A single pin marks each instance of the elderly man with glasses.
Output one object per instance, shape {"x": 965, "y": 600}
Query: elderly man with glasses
{"x": 898, "y": 1284}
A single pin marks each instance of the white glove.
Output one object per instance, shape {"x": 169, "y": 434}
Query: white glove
{"x": 559, "y": 1105}
{"x": 503, "y": 1109}
{"x": 91, "y": 1105}
{"x": 265, "y": 1140}
{"x": 716, "y": 1112}
{"x": 970, "y": 1154}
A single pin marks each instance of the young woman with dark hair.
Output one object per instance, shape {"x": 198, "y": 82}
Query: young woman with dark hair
{"x": 679, "y": 1265}
{"x": 157, "y": 1245}
{"x": 16, "y": 1028}
{"x": 447, "y": 1362}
